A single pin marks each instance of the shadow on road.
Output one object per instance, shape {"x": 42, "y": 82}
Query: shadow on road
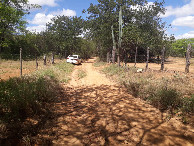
{"x": 107, "y": 115}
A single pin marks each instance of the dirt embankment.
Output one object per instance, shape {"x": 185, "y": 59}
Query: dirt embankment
{"x": 96, "y": 111}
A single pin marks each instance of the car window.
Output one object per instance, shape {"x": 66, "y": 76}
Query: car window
{"x": 75, "y": 56}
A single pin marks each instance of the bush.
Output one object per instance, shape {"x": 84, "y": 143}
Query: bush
{"x": 20, "y": 97}
{"x": 188, "y": 104}
{"x": 166, "y": 99}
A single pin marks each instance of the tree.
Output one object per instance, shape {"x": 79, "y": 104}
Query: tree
{"x": 142, "y": 25}
{"x": 66, "y": 32}
{"x": 11, "y": 19}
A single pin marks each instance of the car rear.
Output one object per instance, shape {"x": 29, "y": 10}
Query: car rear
{"x": 73, "y": 59}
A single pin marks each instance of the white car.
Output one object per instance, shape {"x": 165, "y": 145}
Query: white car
{"x": 74, "y": 59}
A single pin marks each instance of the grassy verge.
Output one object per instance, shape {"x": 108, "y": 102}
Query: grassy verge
{"x": 173, "y": 94}
{"x": 30, "y": 97}
{"x": 99, "y": 63}
{"x": 81, "y": 74}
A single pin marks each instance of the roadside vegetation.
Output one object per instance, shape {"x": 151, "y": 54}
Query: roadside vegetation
{"x": 98, "y": 63}
{"x": 81, "y": 74}
{"x": 26, "y": 102}
{"x": 173, "y": 94}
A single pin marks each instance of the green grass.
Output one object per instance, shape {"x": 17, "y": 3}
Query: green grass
{"x": 99, "y": 63}
{"x": 81, "y": 74}
{"x": 30, "y": 96}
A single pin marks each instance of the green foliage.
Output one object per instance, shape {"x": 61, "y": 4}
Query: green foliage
{"x": 65, "y": 32}
{"x": 11, "y": 20}
{"x": 179, "y": 47}
{"x": 20, "y": 97}
{"x": 188, "y": 104}
{"x": 141, "y": 27}
{"x": 113, "y": 70}
{"x": 27, "y": 96}
{"x": 166, "y": 99}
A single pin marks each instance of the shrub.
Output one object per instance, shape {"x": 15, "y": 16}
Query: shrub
{"x": 188, "y": 104}
{"x": 166, "y": 99}
{"x": 20, "y": 97}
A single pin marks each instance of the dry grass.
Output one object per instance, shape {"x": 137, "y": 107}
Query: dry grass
{"x": 10, "y": 68}
{"x": 171, "y": 64}
{"x": 168, "y": 90}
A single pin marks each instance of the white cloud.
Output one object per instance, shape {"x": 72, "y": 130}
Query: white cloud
{"x": 40, "y": 19}
{"x": 184, "y": 21}
{"x": 186, "y": 35}
{"x": 185, "y": 10}
{"x": 65, "y": 12}
{"x": 50, "y": 3}
{"x": 137, "y": 7}
{"x": 37, "y": 28}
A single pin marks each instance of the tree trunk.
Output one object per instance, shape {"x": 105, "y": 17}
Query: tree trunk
{"x": 148, "y": 51}
{"x": 163, "y": 58}
{"x": 108, "y": 57}
{"x": 188, "y": 53}
{"x": 135, "y": 56}
{"x": 114, "y": 46}
{"x": 53, "y": 59}
{"x": 44, "y": 59}
{"x": 21, "y": 62}
{"x": 36, "y": 63}
{"x": 120, "y": 34}
{"x": 118, "y": 58}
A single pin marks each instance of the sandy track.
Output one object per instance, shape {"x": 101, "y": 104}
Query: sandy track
{"x": 93, "y": 78}
{"x": 95, "y": 111}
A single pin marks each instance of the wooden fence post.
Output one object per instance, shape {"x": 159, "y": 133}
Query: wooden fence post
{"x": 148, "y": 55}
{"x": 135, "y": 56}
{"x": 44, "y": 59}
{"x": 163, "y": 58}
{"x": 21, "y": 62}
{"x": 36, "y": 63}
{"x": 53, "y": 59}
{"x": 188, "y": 53}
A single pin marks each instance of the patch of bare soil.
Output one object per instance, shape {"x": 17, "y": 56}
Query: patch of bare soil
{"x": 172, "y": 64}
{"x": 95, "y": 111}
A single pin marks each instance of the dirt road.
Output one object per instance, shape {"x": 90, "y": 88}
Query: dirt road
{"x": 95, "y": 111}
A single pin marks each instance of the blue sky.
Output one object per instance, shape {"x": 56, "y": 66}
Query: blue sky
{"x": 179, "y": 13}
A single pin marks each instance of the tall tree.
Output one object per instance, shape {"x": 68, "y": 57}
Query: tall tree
{"x": 11, "y": 19}
{"x": 66, "y": 31}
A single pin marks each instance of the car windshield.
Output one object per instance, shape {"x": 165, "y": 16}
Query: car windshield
{"x": 75, "y": 56}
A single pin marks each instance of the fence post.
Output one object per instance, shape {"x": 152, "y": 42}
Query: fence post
{"x": 114, "y": 46}
{"x": 188, "y": 53}
{"x": 135, "y": 56}
{"x": 36, "y": 63}
{"x": 163, "y": 58}
{"x": 53, "y": 59}
{"x": 148, "y": 55}
{"x": 44, "y": 59}
{"x": 21, "y": 62}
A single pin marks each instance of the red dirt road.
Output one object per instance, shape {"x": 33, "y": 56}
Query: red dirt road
{"x": 95, "y": 111}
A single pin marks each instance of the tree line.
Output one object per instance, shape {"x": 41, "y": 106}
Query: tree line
{"x": 141, "y": 27}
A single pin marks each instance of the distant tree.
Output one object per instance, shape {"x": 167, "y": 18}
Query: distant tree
{"x": 179, "y": 47}
{"x": 11, "y": 20}
{"x": 66, "y": 32}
